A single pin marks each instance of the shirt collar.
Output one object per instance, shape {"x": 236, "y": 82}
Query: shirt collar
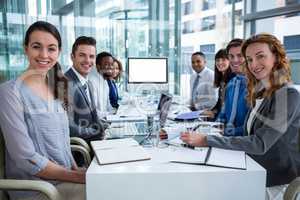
{"x": 82, "y": 79}
{"x": 202, "y": 72}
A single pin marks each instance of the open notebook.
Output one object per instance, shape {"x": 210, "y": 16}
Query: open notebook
{"x": 118, "y": 151}
{"x": 210, "y": 156}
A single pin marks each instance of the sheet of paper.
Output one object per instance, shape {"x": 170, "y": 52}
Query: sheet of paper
{"x": 119, "y": 155}
{"x": 116, "y": 143}
{"x": 227, "y": 158}
{"x": 189, "y": 156}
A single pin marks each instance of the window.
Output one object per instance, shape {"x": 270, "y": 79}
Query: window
{"x": 238, "y": 17}
{"x": 187, "y": 27}
{"x": 208, "y": 23}
{"x": 208, "y": 4}
{"x": 230, "y": 1}
{"x": 209, "y": 51}
{"x": 207, "y": 48}
{"x": 187, "y": 8}
{"x": 291, "y": 42}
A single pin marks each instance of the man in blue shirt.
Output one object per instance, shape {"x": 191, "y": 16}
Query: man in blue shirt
{"x": 235, "y": 106}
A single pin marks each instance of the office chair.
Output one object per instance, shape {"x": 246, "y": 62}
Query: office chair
{"x": 292, "y": 190}
{"x": 36, "y": 185}
{"x": 81, "y": 146}
{"x": 30, "y": 185}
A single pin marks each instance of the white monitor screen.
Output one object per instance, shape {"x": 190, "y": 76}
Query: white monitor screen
{"x": 147, "y": 70}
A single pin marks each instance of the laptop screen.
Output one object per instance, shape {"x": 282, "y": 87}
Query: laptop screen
{"x": 163, "y": 108}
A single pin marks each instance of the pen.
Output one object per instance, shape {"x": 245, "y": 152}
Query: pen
{"x": 188, "y": 146}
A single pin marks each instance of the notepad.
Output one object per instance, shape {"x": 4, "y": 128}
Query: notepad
{"x": 188, "y": 115}
{"x": 118, "y": 151}
{"x": 210, "y": 156}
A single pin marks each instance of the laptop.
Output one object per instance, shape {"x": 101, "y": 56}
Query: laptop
{"x": 127, "y": 129}
{"x": 163, "y": 108}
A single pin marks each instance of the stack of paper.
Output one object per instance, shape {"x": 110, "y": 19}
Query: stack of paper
{"x": 118, "y": 151}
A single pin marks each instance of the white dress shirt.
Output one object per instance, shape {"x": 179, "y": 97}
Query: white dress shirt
{"x": 206, "y": 94}
{"x": 101, "y": 93}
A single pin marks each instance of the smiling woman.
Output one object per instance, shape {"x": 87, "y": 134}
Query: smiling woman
{"x": 33, "y": 121}
{"x": 42, "y": 50}
{"x": 267, "y": 65}
{"x": 273, "y": 125}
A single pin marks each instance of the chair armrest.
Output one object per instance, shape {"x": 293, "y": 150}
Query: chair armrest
{"x": 81, "y": 142}
{"x": 84, "y": 152}
{"x": 292, "y": 190}
{"x": 31, "y": 185}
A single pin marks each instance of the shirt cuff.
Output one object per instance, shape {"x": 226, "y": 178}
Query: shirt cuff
{"x": 34, "y": 164}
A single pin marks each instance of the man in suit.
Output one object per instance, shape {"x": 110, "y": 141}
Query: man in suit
{"x": 83, "y": 119}
{"x": 203, "y": 93}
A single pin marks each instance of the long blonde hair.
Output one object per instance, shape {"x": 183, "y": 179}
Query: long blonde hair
{"x": 281, "y": 72}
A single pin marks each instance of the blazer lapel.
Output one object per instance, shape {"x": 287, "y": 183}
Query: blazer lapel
{"x": 91, "y": 90}
{"x": 78, "y": 85}
{"x": 258, "y": 112}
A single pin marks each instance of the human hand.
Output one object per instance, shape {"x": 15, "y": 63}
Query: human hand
{"x": 78, "y": 175}
{"x": 163, "y": 135}
{"x": 194, "y": 139}
{"x": 208, "y": 113}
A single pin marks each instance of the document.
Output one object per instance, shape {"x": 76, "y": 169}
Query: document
{"x": 210, "y": 156}
{"x": 188, "y": 115}
{"x": 118, "y": 151}
{"x": 125, "y": 118}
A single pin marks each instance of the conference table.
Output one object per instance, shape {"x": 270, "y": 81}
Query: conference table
{"x": 163, "y": 180}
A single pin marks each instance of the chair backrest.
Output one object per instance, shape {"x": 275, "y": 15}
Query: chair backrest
{"x": 3, "y": 195}
{"x": 297, "y": 86}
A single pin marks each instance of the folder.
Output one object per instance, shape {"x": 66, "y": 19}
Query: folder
{"x": 118, "y": 151}
{"x": 188, "y": 115}
{"x": 210, "y": 156}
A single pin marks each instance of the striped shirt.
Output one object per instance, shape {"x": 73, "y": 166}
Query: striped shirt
{"x": 35, "y": 131}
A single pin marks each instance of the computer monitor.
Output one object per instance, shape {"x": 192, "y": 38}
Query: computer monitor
{"x": 148, "y": 70}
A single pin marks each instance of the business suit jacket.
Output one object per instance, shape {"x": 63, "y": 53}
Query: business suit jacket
{"x": 274, "y": 138}
{"x": 83, "y": 119}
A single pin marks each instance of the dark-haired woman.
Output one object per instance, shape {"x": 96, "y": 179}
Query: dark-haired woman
{"x": 222, "y": 76}
{"x": 34, "y": 122}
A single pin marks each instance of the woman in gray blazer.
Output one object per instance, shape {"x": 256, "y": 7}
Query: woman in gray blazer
{"x": 273, "y": 125}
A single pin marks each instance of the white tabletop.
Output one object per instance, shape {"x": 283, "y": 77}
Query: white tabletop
{"x": 159, "y": 179}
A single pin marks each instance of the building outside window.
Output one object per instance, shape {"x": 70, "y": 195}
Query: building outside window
{"x": 209, "y": 4}
{"x": 208, "y": 23}
{"x": 148, "y": 28}
{"x": 187, "y": 8}
{"x": 187, "y": 27}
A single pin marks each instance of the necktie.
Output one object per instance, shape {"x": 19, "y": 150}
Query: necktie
{"x": 194, "y": 89}
{"x": 113, "y": 94}
{"x": 85, "y": 88}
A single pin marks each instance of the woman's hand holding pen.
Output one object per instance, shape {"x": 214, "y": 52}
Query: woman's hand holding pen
{"x": 194, "y": 139}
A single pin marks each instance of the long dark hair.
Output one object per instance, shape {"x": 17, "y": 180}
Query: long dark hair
{"x": 219, "y": 76}
{"x": 120, "y": 68}
{"x": 45, "y": 27}
{"x": 58, "y": 83}
{"x": 56, "y": 80}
